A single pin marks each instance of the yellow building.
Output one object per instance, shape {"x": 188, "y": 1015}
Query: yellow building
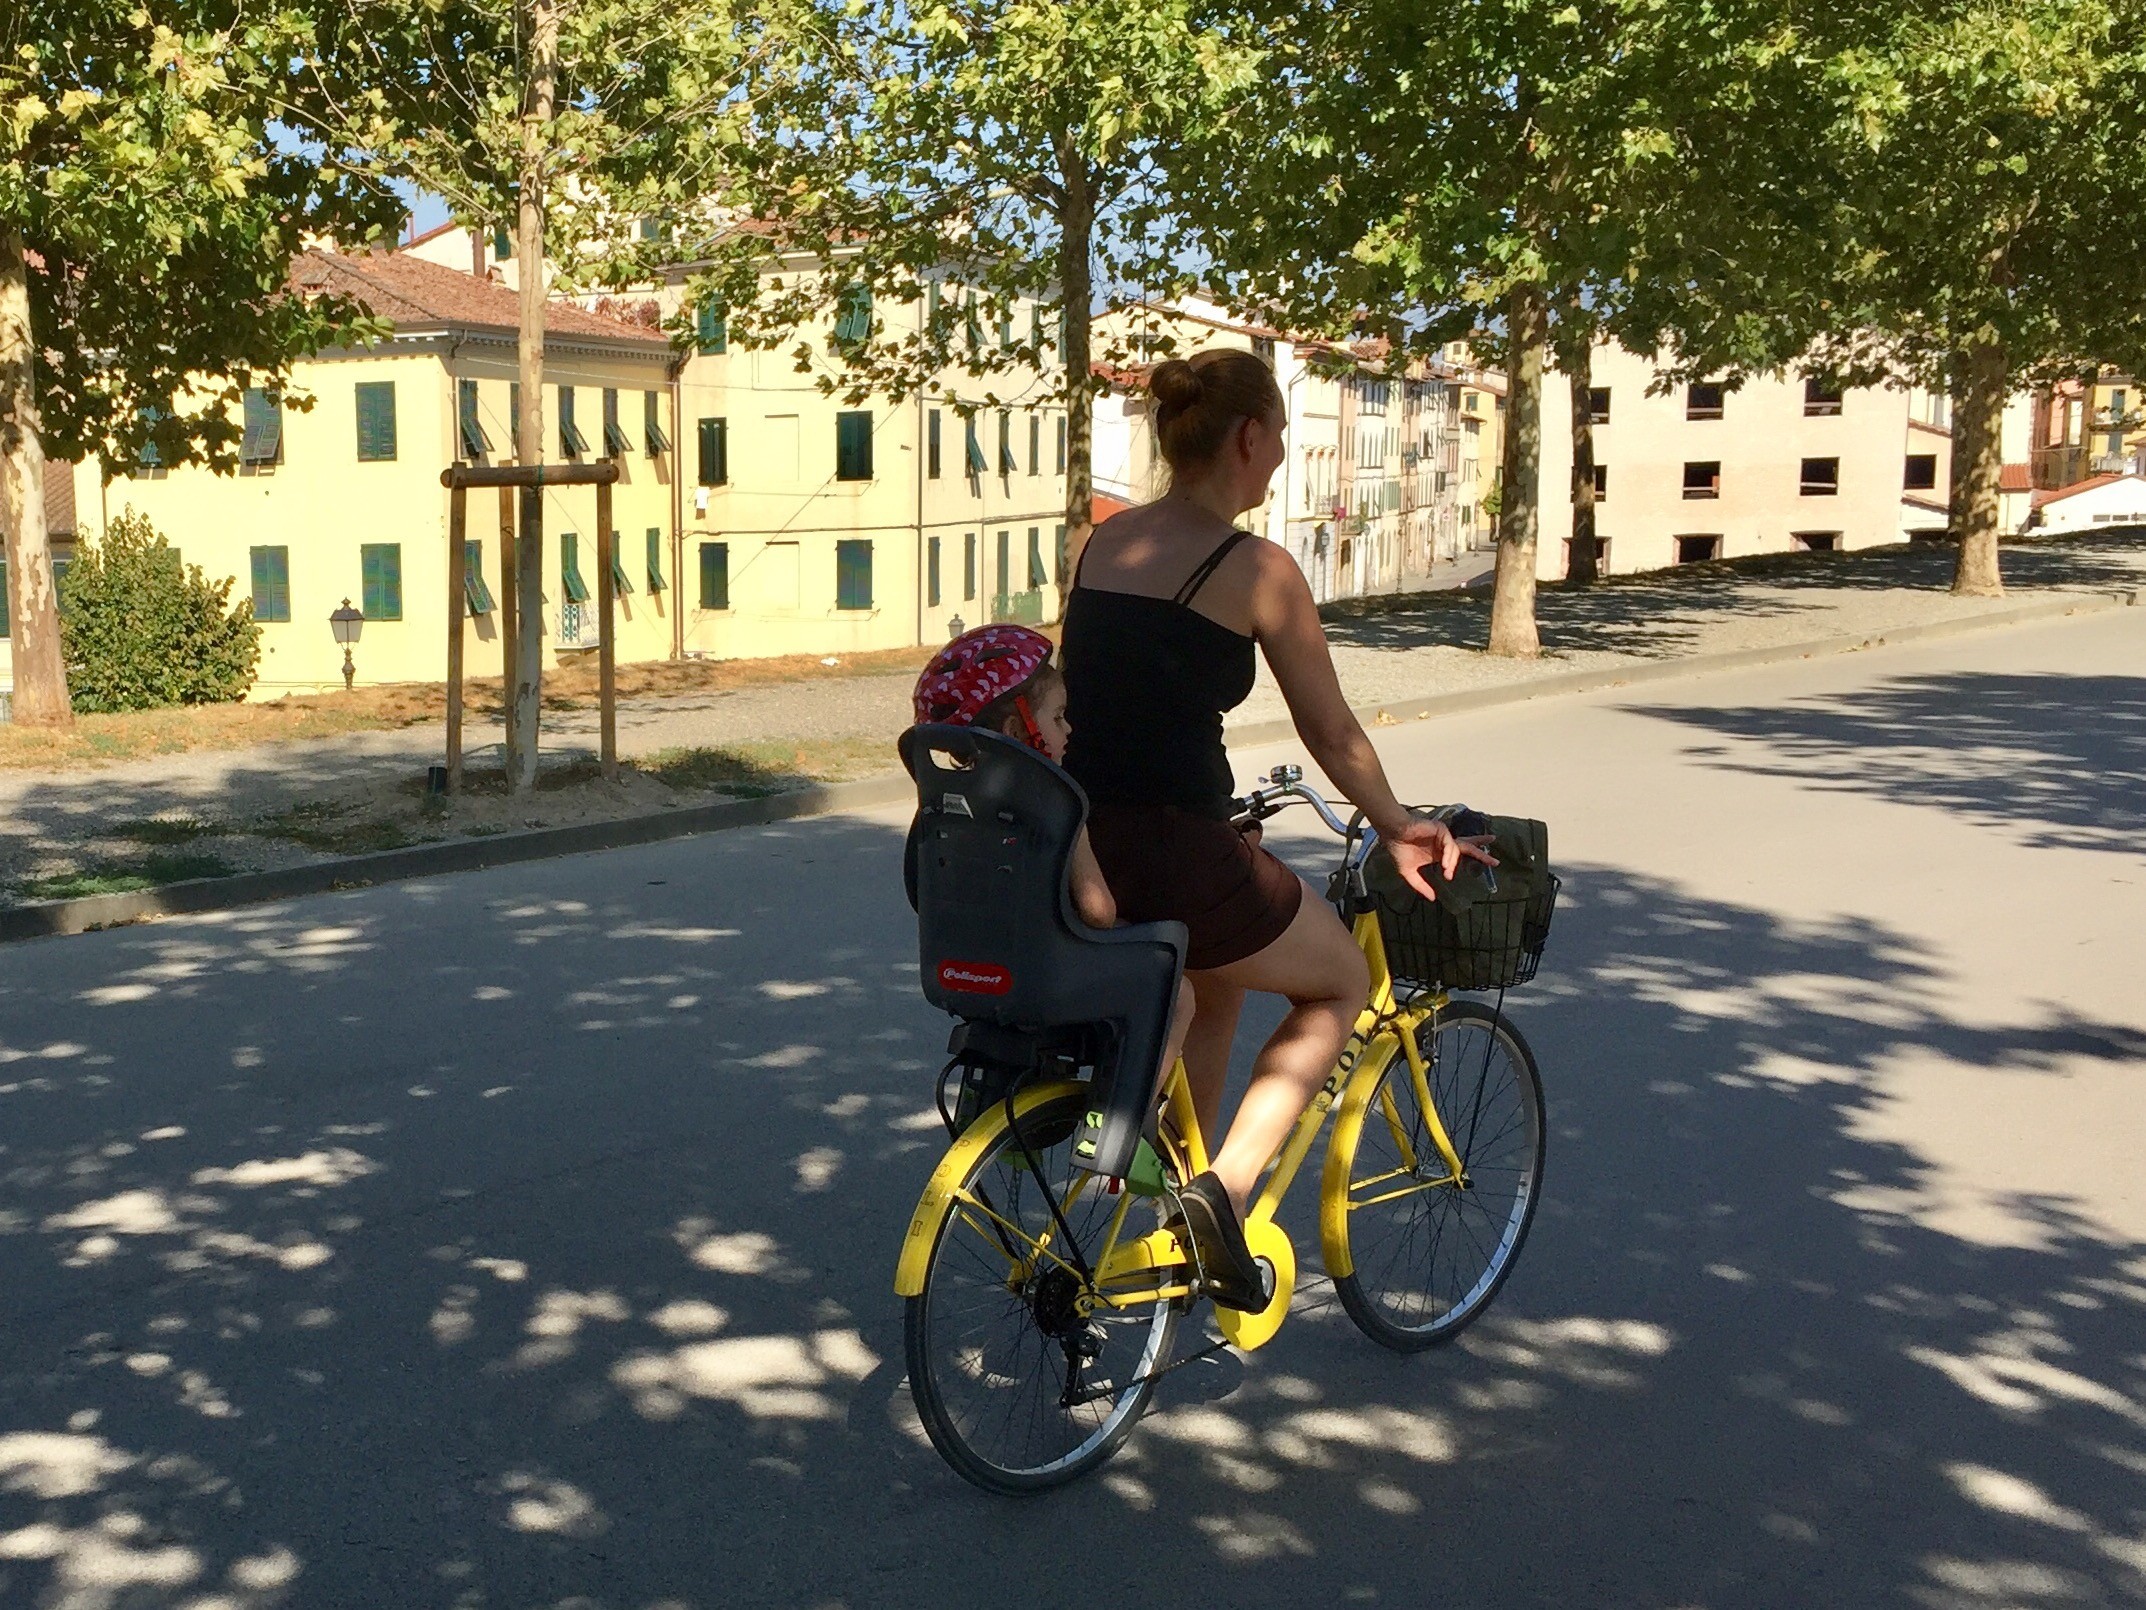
{"x": 814, "y": 525}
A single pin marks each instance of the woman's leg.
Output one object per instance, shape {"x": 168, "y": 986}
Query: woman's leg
{"x": 1316, "y": 966}
{"x": 1207, "y": 1047}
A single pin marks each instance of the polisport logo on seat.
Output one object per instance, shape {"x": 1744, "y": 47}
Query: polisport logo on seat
{"x": 975, "y": 978}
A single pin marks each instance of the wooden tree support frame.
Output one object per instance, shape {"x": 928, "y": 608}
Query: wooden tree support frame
{"x": 514, "y": 551}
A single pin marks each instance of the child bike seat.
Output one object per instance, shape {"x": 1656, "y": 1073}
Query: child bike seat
{"x": 999, "y": 940}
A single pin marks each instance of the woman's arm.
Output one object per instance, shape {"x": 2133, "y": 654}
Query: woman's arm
{"x": 1286, "y": 621}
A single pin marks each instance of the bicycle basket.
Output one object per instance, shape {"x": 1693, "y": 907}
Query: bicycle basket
{"x": 1474, "y": 937}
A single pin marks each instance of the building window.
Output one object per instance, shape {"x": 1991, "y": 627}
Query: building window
{"x": 572, "y": 444}
{"x": 853, "y": 319}
{"x": 615, "y": 443}
{"x": 1702, "y": 400}
{"x": 502, "y": 245}
{"x": 711, "y": 330}
{"x": 476, "y": 596}
{"x": 1821, "y": 397}
{"x": 1598, "y": 404}
{"x": 1601, "y": 482}
{"x": 1035, "y": 444}
{"x": 1817, "y": 541}
{"x": 1922, "y": 472}
{"x": 656, "y": 583}
{"x": 853, "y": 447}
{"x": 715, "y": 575}
{"x": 1697, "y": 550}
{"x": 1702, "y": 478}
{"x": 652, "y": 436}
{"x": 853, "y": 574}
{"x": 271, "y": 583}
{"x": 1037, "y": 575}
{"x": 1061, "y": 460}
{"x": 621, "y": 583}
{"x": 1005, "y": 441}
{"x": 1821, "y": 477}
{"x": 973, "y": 447}
{"x": 376, "y": 421}
{"x": 931, "y": 574}
{"x": 931, "y": 444}
{"x": 262, "y": 442}
{"x": 968, "y": 566}
{"x": 475, "y": 443}
{"x": 714, "y": 452}
{"x": 570, "y": 582}
{"x": 380, "y": 572}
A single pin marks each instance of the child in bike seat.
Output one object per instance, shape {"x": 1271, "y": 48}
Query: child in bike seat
{"x": 1001, "y": 678}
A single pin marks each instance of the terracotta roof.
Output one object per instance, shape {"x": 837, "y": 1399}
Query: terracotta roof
{"x": 2044, "y": 499}
{"x": 2016, "y": 478}
{"x": 59, "y": 498}
{"x": 1102, "y": 506}
{"x": 416, "y": 295}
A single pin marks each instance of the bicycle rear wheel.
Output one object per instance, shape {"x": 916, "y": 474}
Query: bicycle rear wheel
{"x": 1024, "y": 1381}
{"x": 1427, "y": 1256}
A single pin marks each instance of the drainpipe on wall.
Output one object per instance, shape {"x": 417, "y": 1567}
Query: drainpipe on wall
{"x": 917, "y": 465}
{"x": 678, "y": 511}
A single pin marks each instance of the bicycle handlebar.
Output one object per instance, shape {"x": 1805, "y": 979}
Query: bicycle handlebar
{"x": 1285, "y": 787}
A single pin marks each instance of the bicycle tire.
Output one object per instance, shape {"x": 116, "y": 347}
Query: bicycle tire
{"x": 1421, "y": 1269}
{"x": 959, "y": 1387}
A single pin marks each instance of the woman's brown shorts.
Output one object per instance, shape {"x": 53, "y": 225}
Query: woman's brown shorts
{"x": 1168, "y": 865}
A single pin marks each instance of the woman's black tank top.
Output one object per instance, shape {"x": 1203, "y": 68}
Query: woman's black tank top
{"x": 1147, "y": 682}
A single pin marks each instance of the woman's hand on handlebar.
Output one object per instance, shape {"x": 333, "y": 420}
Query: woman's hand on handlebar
{"x": 1422, "y": 842}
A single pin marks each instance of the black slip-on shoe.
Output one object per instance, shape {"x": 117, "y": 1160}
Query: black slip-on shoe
{"x": 1234, "y": 1279}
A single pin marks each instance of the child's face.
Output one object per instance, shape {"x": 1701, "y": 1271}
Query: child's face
{"x": 1050, "y": 714}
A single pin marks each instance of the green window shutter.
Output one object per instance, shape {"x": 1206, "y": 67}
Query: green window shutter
{"x": 1005, "y": 441}
{"x": 973, "y": 446}
{"x": 1035, "y": 326}
{"x": 621, "y": 584}
{"x": 1035, "y": 444}
{"x": 715, "y": 575}
{"x": 1061, "y": 447}
{"x": 652, "y": 436}
{"x": 1005, "y": 561}
{"x": 974, "y": 331}
{"x": 376, "y": 421}
{"x": 271, "y": 583}
{"x": 655, "y": 559}
{"x": 853, "y": 575}
{"x": 475, "y": 443}
{"x": 968, "y": 566}
{"x": 853, "y": 446}
{"x": 476, "y": 596}
{"x": 714, "y": 452}
{"x": 572, "y": 444}
{"x": 931, "y": 573}
{"x": 262, "y": 442}
{"x": 1060, "y": 539}
{"x": 853, "y": 321}
{"x": 931, "y": 445}
{"x": 380, "y": 565}
{"x": 576, "y": 590}
{"x": 5, "y": 608}
{"x": 502, "y": 244}
{"x": 933, "y": 297}
{"x": 514, "y": 415}
{"x": 711, "y": 333}
{"x": 1036, "y": 576}
{"x": 615, "y": 443}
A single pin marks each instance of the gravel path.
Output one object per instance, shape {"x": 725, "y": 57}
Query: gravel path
{"x": 1385, "y": 651}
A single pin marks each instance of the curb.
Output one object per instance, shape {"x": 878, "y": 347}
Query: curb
{"x": 57, "y": 917}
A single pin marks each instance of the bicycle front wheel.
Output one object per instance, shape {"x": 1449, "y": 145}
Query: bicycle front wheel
{"x": 1023, "y": 1379}
{"x": 1426, "y": 1253}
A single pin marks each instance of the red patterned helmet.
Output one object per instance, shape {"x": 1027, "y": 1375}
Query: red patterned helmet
{"x": 977, "y": 670}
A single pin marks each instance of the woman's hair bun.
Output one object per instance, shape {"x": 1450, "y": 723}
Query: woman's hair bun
{"x": 1175, "y": 384}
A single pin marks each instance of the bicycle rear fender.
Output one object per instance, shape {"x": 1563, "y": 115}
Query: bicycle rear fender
{"x": 954, "y": 1167}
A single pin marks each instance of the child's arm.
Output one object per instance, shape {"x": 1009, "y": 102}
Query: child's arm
{"x": 1091, "y": 895}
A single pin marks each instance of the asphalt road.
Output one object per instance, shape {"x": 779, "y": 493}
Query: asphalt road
{"x": 523, "y": 1239}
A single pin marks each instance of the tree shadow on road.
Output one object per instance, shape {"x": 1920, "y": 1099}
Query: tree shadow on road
{"x": 456, "y": 1244}
{"x": 2058, "y": 759}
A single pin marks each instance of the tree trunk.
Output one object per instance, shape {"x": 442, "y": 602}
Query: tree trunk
{"x": 1978, "y": 462}
{"x": 1582, "y": 569}
{"x": 1076, "y": 239}
{"x": 1512, "y": 603}
{"x": 33, "y": 603}
{"x": 528, "y": 674}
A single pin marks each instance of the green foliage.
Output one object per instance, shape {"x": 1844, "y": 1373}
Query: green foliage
{"x": 140, "y": 629}
{"x": 136, "y": 160}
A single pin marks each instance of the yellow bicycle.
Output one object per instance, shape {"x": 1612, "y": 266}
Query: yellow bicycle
{"x": 1043, "y": 1301}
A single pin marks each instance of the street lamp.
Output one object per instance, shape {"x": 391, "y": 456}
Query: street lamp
{"x": 346, "y": 623}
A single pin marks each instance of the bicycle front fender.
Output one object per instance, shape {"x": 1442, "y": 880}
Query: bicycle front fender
{"x": 960, "y": 1160}
{"x": 1341, "y": 1151}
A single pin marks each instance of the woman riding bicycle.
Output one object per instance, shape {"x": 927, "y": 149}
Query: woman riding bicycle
{"x": 1168, "y": 602}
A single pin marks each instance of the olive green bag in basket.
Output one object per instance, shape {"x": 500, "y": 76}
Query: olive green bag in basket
{"x": 1487, "y": 927}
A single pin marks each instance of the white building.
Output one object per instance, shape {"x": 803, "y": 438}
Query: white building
{"x": 2104, "y": 500}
